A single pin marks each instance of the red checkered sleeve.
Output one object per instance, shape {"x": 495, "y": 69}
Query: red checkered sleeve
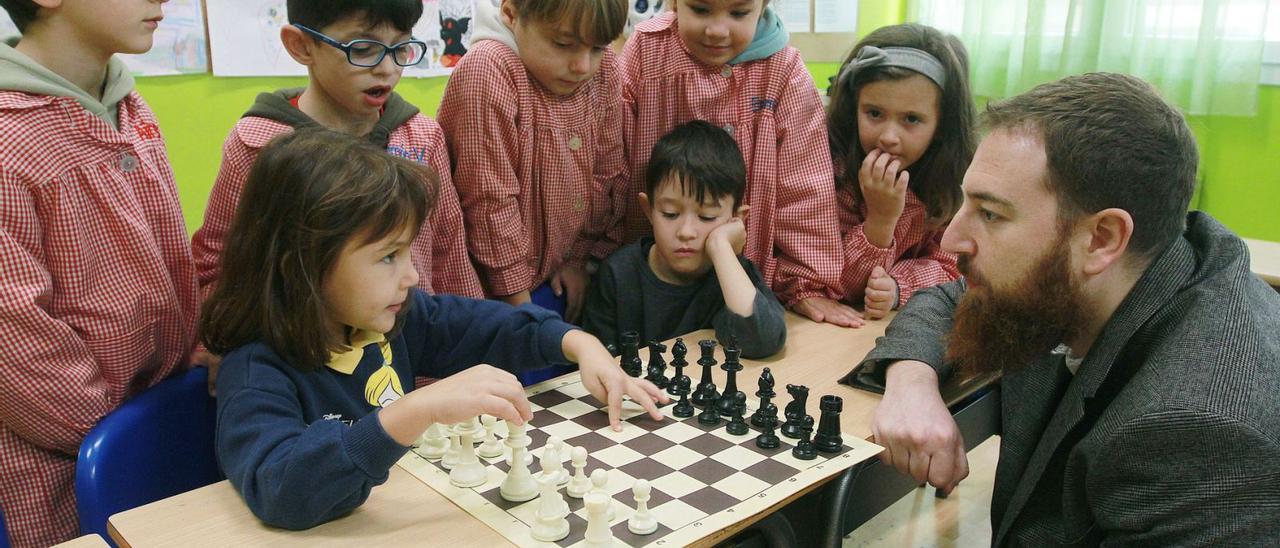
{"x": 914, "y": 258}
{"x": 220, "y": 209}
{"x": 478, "y": 114}
{"x": 611, "y": 174}
{"x": 806, "y": 232}
{"x": 451, "y": 269}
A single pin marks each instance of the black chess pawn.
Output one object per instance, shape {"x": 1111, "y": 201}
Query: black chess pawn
{"x": 706, "y": 393}
{"x": 631, "y": 363}
{"x": 678, "y": 352}
{"x": 804, "y": 448}
{"x": 709, "y": 416}
{"x": 731, "y": 366}
{"x": 767, "y": 439}
{"x": 766, "y": 394}
{"x": 737, "y": 425}
{"x": 828, "y": 438}
{"x": 795, "y": 411}
{"x": 657, "y": 365}
{"x": 683, "y": 409}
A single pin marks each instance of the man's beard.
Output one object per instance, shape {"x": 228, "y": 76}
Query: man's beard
{"x": 1007, "y": 329}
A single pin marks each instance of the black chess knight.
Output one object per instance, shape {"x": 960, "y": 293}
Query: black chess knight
{"x": 657, "y": 366}
{"x": 795, "y": 412}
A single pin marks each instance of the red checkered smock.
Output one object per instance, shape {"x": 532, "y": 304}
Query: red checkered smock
{"x": 915, "y": 258}
{"x": 776, "y": 116}
{"x": 440, "y": 250}
{"x": 98, "y": 297}
{"x": 540, "y": 176}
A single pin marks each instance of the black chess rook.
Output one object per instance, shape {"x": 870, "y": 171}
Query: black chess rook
{"x": 828, "y": 438}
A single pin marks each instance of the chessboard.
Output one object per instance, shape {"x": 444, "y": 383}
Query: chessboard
{"x": 703, "y": 479}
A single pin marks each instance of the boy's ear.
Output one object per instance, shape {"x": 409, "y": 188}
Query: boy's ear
{"x": 48, "y": 4}
{"x": 645, "y": 205}
{"x": 508, "y": 13}
{"x": 298, "y": 44}
{"x": 742, "y": 211}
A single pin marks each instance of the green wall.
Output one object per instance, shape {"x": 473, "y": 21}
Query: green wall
{"x": 1240, "y": 157}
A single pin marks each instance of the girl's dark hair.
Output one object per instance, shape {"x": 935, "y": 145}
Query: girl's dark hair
{"x": 704, "y": 160}
{"x": 318, "y": 14}
{"x": 308, "y": 194}
{"x": 936, "y": 177}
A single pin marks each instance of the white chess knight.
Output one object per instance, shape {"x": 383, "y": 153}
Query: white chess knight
{"x": 552, "y": 466}
{"x": 468, "y": 472}
{"x": 580, "y": 483}
{"x": 642, "y": 521}
{"x": 490, "y": 447}
{"x": 599, "y": 535}
{"x": 519, "y": 485}
{"x": 551, "y": 524}
{"x": 434, "y": 443}
{"x": 600, "y": 478}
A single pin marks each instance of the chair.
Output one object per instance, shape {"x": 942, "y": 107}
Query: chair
{"x": 544, "y": 297}
{"x": 4, "y": 532}
{"x": 155, "y": 445}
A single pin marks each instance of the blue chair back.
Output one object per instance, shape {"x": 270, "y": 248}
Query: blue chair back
{"x": 4, "y": 532}
{"x": 155, "y": 445}
{"x": 544, "y": 297}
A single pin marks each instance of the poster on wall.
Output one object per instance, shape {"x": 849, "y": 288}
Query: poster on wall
{"x": 244, "y": 36}
{"x": 178, "y": 45}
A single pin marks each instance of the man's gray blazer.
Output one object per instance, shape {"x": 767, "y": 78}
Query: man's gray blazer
{"x": 1169, "y": 433}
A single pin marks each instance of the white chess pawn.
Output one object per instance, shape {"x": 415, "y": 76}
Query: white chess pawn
{"x": 599, "y": 478}
{"x": 642, "y": 522}
{"x": 454, "y": 452}
{"x": 519, "y": 485}
{"x": 468, "y": 472}
{"x": 599, "y": 535}
{"x": 434, "y": 444}
{"x": 560, "y": 456}
{"x": 490, "y": 447}
{"x": 550, "y": 462}
{"x": 580, "y": 483}
{"x": 551, "y": 524}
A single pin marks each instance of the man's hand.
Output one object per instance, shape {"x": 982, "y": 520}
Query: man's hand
{"x": 881, "y": 294}
{"x": 919, "y": 435}
{"x": 822, "y": 309}
{"x": 571, "y": 281}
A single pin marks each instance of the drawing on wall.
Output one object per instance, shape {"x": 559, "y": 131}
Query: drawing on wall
{"x": 178, "y": 45}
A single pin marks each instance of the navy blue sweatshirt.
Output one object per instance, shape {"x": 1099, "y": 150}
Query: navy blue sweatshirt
{"x": 305, "y": 447}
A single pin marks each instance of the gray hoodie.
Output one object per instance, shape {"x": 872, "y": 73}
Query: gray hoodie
{"x": 23, "y": 74}
{"x": 487, "y": 24}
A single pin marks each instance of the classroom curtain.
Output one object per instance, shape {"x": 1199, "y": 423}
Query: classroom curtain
{"x": 1205, "y": 56}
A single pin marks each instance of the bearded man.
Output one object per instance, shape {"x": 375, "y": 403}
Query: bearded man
{"x": 1140, "y": 357}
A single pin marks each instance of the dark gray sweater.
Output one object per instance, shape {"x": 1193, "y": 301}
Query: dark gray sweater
{"x": 627, "y": 296}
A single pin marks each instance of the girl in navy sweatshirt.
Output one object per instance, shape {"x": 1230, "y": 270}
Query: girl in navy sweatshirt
{"x": 323, "y": 330}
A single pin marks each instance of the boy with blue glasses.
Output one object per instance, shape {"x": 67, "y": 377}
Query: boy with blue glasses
{"x": 355, "y": 52}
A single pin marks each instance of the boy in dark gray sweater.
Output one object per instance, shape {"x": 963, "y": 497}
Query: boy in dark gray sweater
{"x": 689, "y": 275}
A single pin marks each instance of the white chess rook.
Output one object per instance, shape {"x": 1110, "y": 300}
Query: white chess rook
{"x": 642, "y": 522}
{"x": 599, "y": 535}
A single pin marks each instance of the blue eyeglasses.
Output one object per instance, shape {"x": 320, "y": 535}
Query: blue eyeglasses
{"x": 369, "y": 53}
